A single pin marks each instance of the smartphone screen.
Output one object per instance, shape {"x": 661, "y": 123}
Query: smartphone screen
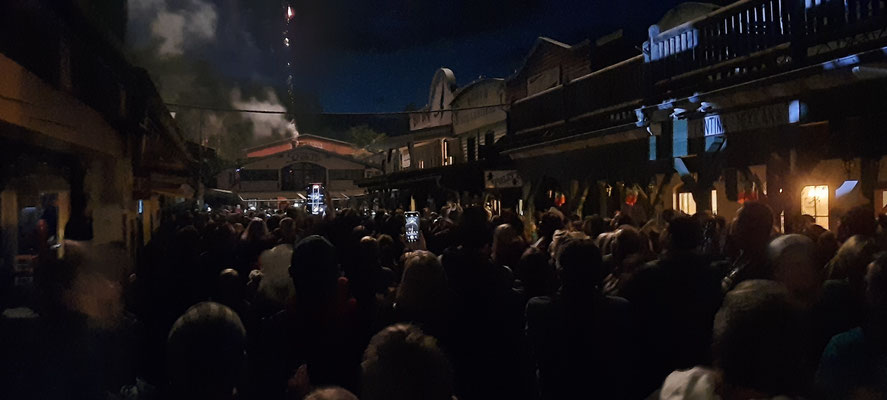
{"x": 315, "y": 199}
{"x": 412, "y": 226}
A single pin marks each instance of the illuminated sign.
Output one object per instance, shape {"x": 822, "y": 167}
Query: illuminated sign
{"x": 713, "y": 125}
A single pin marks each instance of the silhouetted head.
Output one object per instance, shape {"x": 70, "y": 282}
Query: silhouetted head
{"x": 508, "y": 245}
{"x": 288, "y": 230}
{"x": 683, "y": 234}
{"x": 621, "y": 219}
{"x": 474, "y": 229}
{"x": 852, "y": 259}
{"x": 423, "y": 285}
{"x": 859, "y": 220}
{"x": 627, "y": 241}
{"x": 205, "y": 352}
{"x": 560, "y": 238}
{"x": 369, "y": 250}
{"x": 536, "y": 273}
{"x": 230, "y": 286}
{"x": 594, "y": 226}
{"x": 255, "y": 231}
{"x": 756, "y": 342}
{"x": 273, "y": 222}
{"x": 801, "y": 222}
{"x": 827, "y": 246}
{"x": 453, "y": 213}
{"x": 314, "y": 269}
{"x": 551, "y": 221}
{"x": 510, "y": 217}
{"x": 795, "y": 265}
{"x": 402, "y": 363}
{"x": 753, "y": 227}
{"x": 580, "y": 265}
{"x": 331, "y": 393}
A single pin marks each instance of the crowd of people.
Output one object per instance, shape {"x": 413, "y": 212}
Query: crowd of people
{"x": 284, "y": 305}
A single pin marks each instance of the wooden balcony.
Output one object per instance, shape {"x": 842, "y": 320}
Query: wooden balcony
{"x": 545, "y": 108}
{"x": 742, "y": 42}
{"x": 606, "y": 90}
{"x": 753, "y": 38}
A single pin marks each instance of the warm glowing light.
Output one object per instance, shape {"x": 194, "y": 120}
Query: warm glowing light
{"x": 289, "y": 13}
{"x": 685, "y": 203}
{"x": 286, "y": 41}
{"x": 814, "y": 202}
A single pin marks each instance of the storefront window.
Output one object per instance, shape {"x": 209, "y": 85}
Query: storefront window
{"x": 814, "y": 202}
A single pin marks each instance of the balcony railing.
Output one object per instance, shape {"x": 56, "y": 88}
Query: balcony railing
{"x": 747, "y": 40}
{"x": 739, "y": 30}
{"x": 609, "y": 87}
{"x": 541, "y": 109}
{"x": 773, "y": 32}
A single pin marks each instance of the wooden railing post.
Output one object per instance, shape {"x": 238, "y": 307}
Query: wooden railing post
{"x": 798, "y": 26}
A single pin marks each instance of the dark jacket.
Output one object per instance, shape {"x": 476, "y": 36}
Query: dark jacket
{"x": 582, "y": 347}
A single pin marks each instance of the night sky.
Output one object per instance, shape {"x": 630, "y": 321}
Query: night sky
{"x": 368, "y": 56}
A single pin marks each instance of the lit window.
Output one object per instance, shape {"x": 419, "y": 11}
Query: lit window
{"x": 814, "y": 202}
{"x": 714, "y": 202}
{"x": 421, "y": 164}
{"x": 685, "y": 203}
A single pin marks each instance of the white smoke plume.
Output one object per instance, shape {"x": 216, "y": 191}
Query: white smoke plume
{"x": 264, "y": 124}
{"x": 179, "y": 43}
{"x": 177, "y": 28}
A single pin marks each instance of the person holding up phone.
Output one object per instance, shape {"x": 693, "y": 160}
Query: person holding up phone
{"x": 412, "y": 232}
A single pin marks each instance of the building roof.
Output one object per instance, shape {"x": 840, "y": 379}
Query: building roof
{"x": 548, "y": 42}
{"x": 267, "y": 145}
{"x": 310, "y": 148}
{"x": 328, "y": 139}
{"x": 474, "y": 83}
{"x": 295, "y": 140}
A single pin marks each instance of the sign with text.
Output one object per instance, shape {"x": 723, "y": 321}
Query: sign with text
{"x": 502, "y": 179}
{"x": 304, "y": 156}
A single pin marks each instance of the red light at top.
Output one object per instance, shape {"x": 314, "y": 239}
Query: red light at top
{"x": 289, "y": 13}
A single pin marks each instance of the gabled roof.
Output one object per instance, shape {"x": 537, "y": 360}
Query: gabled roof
{"x": 269, "y": 144}
{"x": 328, "y": 139}
{"x": 309, "y": 148}
{"x": 294, "y": 140}
{"x": 544, "y": 41}
{"x": 474, "y": 83}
